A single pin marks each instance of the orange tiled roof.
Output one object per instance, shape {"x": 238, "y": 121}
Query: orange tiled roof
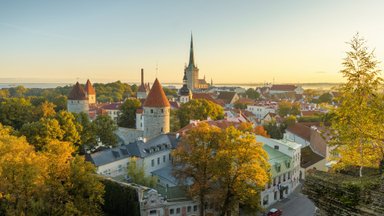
{"x": 77, "y": 93}
{"x": 283, "y": 87}
{"x": 89, "y": 88}
{"x": 156, "y": 97}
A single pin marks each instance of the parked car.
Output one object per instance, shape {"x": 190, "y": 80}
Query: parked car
{"x": 274, "y": 212}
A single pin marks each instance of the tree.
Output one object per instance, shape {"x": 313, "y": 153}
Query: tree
{"x": 259, "y": 130}
{"x": 127, "y": 117}
{"x": 137, "y": 175}
{"x": 289, "y": 120}
{"x": 243, "y": 170}
{"x": 252, "y": 93}
{"x": 226, "y": 166}
{"x": 71, "y": 128}
{"x": 199, "y": 109}
{"x": 240, "y": 106}
{"x": 194, "y": 158}
{"x": 174, "y": 121}
{"x": 88, "y": 133}
{"x": 288, "y": 108}
{"x": 42, "y": 132}
{"x": 357, "y": 125}
{"x": 274, "y": 130}
{"x": 325, "y": 98}
{"x": 104, "y": 128}
{"x": 15, "y": 112}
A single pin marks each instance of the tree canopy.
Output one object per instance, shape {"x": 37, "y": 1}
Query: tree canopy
{"x": 227, "y": 166}
{"x": 127, "y": 117}
{"x": 358, "y": 121}
{"x": 199, "y": 109}
{"x": 288, "y": 108}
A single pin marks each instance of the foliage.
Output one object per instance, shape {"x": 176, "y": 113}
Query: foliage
{"x": 325, "y": 98}
{"x": 240, "y": 106}
{"x": 71, "y": 128}
{"x": 112, "y": 92}
{"x": 288, "y": 108}
{"x": 119, "y": 199}
{"x": 105, "y": 127}
{"x": 259, "y": 130}
{"x": 290, "y": 120}
{"x": 357, "y": 125}
{"x": 252, "y": 93}
{"x": 16, "y": 111}
{"x": 88, "y": 133}
{"x": 174, "y": 121}
{"x": 199, "y": 109}
{"x": 170, "y": 92}
{"x": 49, "y": 182}
{"x": 137, "y": 175}
{"x": 276, "y": 131}
{"x": 127, "y": 117}
{"x": 226, "y": 166}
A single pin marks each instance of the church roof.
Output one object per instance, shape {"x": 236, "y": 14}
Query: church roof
{"x": 89, "y": 88}
{"x": 156, "y": 97}
{"x": 184, "y": 91}
{"x": 77, "y": 93}
{"x": 191, "y": 56}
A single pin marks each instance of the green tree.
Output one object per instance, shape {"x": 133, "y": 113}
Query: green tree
{"x": 274, "y": 130}
{"x": 42, "y": 132}
{"x": 325, "y": 98}
{"x": 174, "y": 121}
{"x": 88, "y": 133}
{"x": 240, "y": 106}
{"x": 252, "y": 93}
{"x": 357, "y": 125}
{"x": 127, "y": 117}
{"x": 16, "y": 111}
{"x": 104, "y": 128}
{"x": 199, "y": 109}
{"x": 290, "y": 120}
{"x": 288, "y": 108}
{"x": 137, "y": 175}
{"x": 71, "y": 128}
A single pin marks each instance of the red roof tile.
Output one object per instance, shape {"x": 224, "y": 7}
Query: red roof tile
{"x": 283, "y": 87}
{"x": 156, "y": 97}
{"x": 300, "y": 130}
{"x": 77, "y": 93}
{"x": 89, "y": 88}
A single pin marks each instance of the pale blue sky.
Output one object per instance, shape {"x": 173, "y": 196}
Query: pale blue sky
{"x": 235, "y": 41}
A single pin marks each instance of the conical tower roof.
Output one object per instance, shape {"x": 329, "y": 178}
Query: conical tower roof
{"x": 156, "y": 97}
{"x": 77, "y": 93}
{"x": 191, "y": 55}
{"x": 89, "y": 88}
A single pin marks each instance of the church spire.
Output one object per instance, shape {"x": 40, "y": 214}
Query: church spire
{"x": 191, "y": 56}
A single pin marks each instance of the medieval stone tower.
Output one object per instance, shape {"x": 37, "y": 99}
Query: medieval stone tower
{"x": 192, "y": 71}
{"x": 78, "y": 100}
{"x": 91, "y": 93}
{"x": 156, "y": 112}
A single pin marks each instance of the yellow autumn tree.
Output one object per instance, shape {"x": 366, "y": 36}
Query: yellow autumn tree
{"x": 358, "y": 122}
{"x": 226, "y": 166}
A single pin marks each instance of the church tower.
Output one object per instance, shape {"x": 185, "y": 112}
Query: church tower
{"x": 78, "y": 100}
{"x": 91, "y": 93}
{"x": 185, "y": 93}
{"x": 156, "y": 112}
{"x": 191, "y": 70}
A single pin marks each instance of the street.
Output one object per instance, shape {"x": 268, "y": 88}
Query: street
{"x": 296, "y": 204}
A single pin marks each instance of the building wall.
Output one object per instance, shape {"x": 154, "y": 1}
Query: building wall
{"x": 92, "y": 98}
{"x": 192, "y": 77}
{"x": 141, "y": 95}
{"x": 139, "y": 121}
{"x": 115, "y": 168}
{"x": 157, "y": 161}
{"x": 156, "y": 121}
{"x": 114, "y": 114}
{"x": 78, "y": 106}
{"x": 293, "y": 137}
{"x": 184, "y": 99}
{"x": 260, "y": 111}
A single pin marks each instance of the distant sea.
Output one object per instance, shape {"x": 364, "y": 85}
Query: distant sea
{"x": 322, "y": 86}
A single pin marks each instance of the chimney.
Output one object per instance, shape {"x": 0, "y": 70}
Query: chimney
{"x": 142, "y": 76}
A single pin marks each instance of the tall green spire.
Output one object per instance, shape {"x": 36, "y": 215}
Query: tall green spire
{"x": 191, "y": 57}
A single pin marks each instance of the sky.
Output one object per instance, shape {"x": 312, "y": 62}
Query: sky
{"x": 253, "y": 41}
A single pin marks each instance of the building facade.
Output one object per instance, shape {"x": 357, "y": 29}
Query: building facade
{"x": 192, "y": 73}
{"x": 77, "y": 100}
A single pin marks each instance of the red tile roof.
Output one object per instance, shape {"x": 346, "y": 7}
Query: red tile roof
{"x": 77, "y": 93}
{"x": 208, "y": 97}
{"x": 156, "y": 97}
{"x": 300, "y": 130}
{"x": 89, "y": 88}
{"x": 283, "y": 87}
{"x": 111, "y": 106}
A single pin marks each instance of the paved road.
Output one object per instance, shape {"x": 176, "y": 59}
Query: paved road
{"x": 296, "y": 204}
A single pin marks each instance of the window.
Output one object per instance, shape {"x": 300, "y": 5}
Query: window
{"x": 189, "y": 209}
{"x": 163, "y": 158}
{"x": 178, "y": 211}
{"x": 161, "y": 130}
{"x": 153, "y": 162}
{"x": 152, "y": 212}
{"x": 195, "y": 208}
{"x": 171, "y": 211}
{"x": 158, "y": 161}
{"x": 274, "y": 181}
{"x": 289, "y": 175}
{"x": 169, "y": 157}
{"x": 275, "y": 195}
{"x": 276, "y": 147}
{"x": 265, "y": 200}
{"x": 284, "y": 177}
{"x": 151, "y": 110}
{"x": 162, "y": 110}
